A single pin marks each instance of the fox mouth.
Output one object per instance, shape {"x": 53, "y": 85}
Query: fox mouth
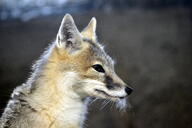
{"x": 121, "y": 102}
{"x": 108, "y": 95}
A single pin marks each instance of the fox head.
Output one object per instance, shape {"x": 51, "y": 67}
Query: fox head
{"x": 83, "y": 65}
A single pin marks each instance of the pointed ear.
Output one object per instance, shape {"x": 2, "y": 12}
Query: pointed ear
{"x": 90, "y": 30}
{"x": 68, "y": 36}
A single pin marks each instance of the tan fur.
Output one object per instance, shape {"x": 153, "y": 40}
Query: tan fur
{"x": 56, "y": 95}
{"x": 89, "y": 31}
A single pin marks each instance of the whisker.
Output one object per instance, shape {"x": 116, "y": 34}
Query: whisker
{"x": 93, "y": 101}
{"x": 102, "y": 104}
{"x": 105, "y": 104}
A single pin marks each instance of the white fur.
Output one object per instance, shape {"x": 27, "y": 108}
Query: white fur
{"x": 64, "y": 105}
{"x": 95, "y": 84}
{"x": 72, "y": 108}
{"x": 121, "y": 103}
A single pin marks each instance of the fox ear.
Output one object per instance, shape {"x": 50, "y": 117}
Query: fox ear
{"x": 90, "y": 30}
{"x": 68, "y": 36}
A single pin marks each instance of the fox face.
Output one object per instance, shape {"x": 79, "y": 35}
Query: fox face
{"x": 83, "y": 65}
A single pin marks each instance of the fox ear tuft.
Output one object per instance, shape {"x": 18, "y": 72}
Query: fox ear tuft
{"x": 68, "y": 34}
{"x": 90, "y": 30}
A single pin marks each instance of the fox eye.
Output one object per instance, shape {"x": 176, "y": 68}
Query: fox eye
{"x": 98, "y": 68}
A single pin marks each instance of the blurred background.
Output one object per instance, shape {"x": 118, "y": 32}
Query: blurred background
{"x": 149, "y": 39}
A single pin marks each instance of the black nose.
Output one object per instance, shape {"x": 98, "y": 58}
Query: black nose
{"x": 128, "y": 90}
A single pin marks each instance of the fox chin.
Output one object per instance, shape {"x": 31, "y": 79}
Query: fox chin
{"x": 73, "y": 68}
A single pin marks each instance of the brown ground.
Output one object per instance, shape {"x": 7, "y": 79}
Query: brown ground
{"x": 152, "y": 50}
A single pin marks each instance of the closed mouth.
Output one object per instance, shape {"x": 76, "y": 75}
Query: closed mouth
{"x": 108, "y": 95}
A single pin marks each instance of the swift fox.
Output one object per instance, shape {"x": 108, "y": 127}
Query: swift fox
{"x": 74, "y": 68}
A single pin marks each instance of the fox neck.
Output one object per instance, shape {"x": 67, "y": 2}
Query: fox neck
{"x": 60, "y": 105}
{"x": 55, "y": 98}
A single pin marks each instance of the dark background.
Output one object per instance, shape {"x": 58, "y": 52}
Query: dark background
{"x": 149, "y": 39}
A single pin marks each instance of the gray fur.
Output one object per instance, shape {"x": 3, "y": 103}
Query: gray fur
{"x": 99, "y": 53}
{"x": 19, "y": 111}
{"x": 17, "y": 103}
